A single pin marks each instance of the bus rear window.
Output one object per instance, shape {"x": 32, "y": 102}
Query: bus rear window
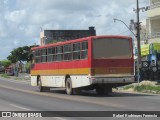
{"x": 108, "y": 48}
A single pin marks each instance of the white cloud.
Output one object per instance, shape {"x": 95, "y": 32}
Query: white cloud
{"x": 21, "y": 20}
{"x": 16, "y": 16}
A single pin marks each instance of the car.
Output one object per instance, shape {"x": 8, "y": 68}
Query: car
{"x": 2, "y": 69}
{"x": 9, "y": 71}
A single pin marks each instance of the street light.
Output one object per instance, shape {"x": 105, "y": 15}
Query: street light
{"x": 124, "y": 24}
{"x": 138, "y": 44}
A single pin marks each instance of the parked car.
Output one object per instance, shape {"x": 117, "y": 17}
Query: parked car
{"x": 2, "y": 69}
{"x": 9, "y": 71}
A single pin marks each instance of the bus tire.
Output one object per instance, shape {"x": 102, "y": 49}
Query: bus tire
{"x": 41, "y": 88}
{"x": 69, "y": 89}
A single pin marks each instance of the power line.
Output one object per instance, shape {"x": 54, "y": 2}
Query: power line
{"x": 123, "y": 32}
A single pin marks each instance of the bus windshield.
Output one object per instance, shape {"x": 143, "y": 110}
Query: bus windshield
{"x": 108, "y": 48}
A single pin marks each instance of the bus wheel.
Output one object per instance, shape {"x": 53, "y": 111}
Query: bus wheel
{"x": 41, "y": 88}
{"x": 69, "y": 89}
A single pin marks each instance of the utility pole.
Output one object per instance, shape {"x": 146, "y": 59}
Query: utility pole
{"x": 138, "y": 38}
{"x": 138, "y": 42}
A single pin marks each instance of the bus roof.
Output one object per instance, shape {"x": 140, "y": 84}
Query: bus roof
{"x": 80, "y": 40}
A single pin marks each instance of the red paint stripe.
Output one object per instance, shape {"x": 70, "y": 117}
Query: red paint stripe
{"x": 62, "y": 65}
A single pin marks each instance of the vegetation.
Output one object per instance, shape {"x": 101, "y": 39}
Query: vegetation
{"x": 53, "y": 41}
{"x": 128, "y": 87}
{"x": 5, "y": 63}
{"x": 5, "y": 76}
{"x": 145, "y": 87}
{"x": 20, "y": 54}
{"x": 28, "y": 65}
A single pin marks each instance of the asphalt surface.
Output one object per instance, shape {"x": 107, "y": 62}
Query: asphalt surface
{"x": 19, "y": 95}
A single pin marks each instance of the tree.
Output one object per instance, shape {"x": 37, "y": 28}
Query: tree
{"x": 20, "y": 54}
{"x": 5, "y": 63}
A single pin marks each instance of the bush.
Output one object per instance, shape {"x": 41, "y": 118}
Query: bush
{"x": 5, "y": 76}
{"x": 5, "y": 63}
{"x": 145, "y": 86}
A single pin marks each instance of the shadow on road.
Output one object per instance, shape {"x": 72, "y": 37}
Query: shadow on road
{"x": 93, "y": 94}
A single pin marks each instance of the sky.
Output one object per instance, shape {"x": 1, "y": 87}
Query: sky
{"x": 22, "y": 20}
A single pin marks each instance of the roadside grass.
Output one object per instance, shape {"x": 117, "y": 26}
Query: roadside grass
{"x": 147, "y": 89}
{"x": 21, "y": 78}
{"x": 14, "y": 77}
{"x": 144, "y": 87}
{"x": 128, "y": 87}
{"x": 5, "y": 76}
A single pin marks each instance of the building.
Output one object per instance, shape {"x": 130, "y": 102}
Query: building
{"x": 52, "y": 36}
{"x": 153, "y": 21}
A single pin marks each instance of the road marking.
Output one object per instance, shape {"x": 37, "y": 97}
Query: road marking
{"x": 70, "y": 98}
{"x": 59, "y": 118}
{"x": 64, "y": 97}
{"x": 19, "y": 107}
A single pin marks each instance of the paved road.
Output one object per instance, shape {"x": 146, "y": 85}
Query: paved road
{"x": 16, "y": 95}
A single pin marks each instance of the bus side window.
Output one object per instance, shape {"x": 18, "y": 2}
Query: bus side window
{"x": 37, "y": 56}
{"x": 50, "y": 54}
{"x": 76, "y": 51}
{"x": 44, "y": 55}
{"x": 84, "y": 50}
{"x": 59, "y": 53}
{"x": 55, "y": 54}
{"x": 67, "y": 52}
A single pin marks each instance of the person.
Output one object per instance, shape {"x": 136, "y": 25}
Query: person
{"x": 20, "y": 67}
{"x": 16, "y": 69}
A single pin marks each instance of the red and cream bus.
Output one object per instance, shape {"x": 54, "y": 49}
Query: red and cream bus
{"x": 96, "y": 62}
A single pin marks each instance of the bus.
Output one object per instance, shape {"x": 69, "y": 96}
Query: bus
{"x": 95, "y": 62}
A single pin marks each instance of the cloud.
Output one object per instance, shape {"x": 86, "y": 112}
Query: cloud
{"x": 16, "y": 16}
{"x": 21, "y": 20}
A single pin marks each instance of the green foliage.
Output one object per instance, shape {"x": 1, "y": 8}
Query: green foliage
{"x": 143, "y": 88}
{"x": 5, "y": 63}
{"x": 146, "y": 88}
{"x": 28, "y": 65}
{"x": 53, "y": 41}
{"x": 5, "y": 76}
{"x": 20, "y": 54}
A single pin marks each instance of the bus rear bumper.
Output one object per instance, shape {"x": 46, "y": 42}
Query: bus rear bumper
{"x": 96, "y": 80}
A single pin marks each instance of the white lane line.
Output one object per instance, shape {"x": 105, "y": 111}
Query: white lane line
{"x": 59, "y": 118}
{"x": 19, "y": 107}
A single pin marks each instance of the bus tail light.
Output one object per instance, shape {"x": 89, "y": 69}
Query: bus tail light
{"x": 92, "y": 72}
